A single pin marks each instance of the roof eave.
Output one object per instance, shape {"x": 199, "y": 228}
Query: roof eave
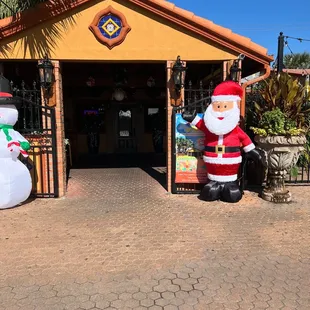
{"x": 177, "y": 16}
{"x": 204, "y": 28}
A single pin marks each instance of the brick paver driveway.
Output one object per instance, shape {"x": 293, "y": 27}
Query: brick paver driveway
{"x": 118, "y": 241}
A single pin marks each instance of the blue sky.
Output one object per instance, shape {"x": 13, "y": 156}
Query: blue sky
{"x": 261, "y": 21}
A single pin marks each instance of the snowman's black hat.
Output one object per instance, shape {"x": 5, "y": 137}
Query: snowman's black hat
{"x": 6, "y": 97}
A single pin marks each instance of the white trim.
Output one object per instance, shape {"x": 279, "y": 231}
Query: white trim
{"x": 225, "y": 98}
{"x": 249, "y": 148}
{"x": 196, "y": 120}
{"x": 223, "y": 178}
{"x": 222, "y": 160}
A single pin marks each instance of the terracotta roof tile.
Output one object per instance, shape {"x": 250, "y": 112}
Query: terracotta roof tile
{"x": 219, "y": 30}
{"x": 166, "y": 9}
{"x": 204, "y": 22}
{"x": 167, "y": 4}
{"x": 184, "y": 13}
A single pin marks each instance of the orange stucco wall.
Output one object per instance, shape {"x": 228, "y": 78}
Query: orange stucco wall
{"x": 151, "y": 38}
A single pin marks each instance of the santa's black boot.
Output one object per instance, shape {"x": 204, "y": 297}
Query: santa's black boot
{"x": 231, "y": 192}
{"x": 211, "y": 191}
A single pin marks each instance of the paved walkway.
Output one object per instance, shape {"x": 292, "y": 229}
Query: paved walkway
{"x": 118, "y": 241}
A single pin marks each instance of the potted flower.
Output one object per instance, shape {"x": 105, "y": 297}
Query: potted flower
{"x": 281, "y": 128}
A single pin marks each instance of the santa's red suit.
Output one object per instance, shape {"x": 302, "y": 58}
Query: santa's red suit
{"x": 222, "y": 153}
{"x": 224, "y": 141}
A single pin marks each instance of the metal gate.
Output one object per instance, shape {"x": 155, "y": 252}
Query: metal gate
{"x": 37, "y": 123}
{"x": 195, "y": 99}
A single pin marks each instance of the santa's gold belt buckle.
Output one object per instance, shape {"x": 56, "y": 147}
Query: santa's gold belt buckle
{"x": 220, "y": 149}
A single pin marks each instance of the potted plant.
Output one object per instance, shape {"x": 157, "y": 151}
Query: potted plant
{"x": 281, "y": 128}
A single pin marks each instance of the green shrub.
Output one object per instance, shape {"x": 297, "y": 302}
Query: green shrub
{"x": 275, "y": 123}
{"x": 280, "y": 107}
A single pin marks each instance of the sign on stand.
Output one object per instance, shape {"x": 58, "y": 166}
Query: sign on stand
{"x": 189, "y": 146}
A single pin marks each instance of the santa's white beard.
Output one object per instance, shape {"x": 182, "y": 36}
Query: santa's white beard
{"x": 227, "y": 124}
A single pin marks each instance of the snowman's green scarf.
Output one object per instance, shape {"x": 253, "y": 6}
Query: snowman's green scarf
{"x": 5, "y": 129}
{"x": 24, "y": 145}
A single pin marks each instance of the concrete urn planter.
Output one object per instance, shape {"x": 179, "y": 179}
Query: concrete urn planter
{"x": 279, "y": 154}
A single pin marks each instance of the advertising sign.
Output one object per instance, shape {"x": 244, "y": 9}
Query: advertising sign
{"x": 189, "y": 140}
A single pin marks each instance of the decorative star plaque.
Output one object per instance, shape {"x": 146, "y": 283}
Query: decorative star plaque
{"x": 110, "y": 27}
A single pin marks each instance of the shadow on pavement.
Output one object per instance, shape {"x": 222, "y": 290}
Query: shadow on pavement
{"x": 153, "y": 164}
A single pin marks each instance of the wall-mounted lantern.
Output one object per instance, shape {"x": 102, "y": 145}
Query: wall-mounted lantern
{"x": 46, "y": 73}
{"x": 178, "y": 73}
{"x": 235, "y": 71}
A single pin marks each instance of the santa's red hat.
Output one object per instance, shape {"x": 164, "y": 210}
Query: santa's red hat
{"x": 227, "y": 91}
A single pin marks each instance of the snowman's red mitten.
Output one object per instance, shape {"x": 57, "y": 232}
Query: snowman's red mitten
{"x": 14, "y": 148}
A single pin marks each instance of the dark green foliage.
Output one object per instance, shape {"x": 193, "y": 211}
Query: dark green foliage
{"x": 294, "y": 171}
{"x": 304, "y": 159}
{"x": 287, "y": 97}
{"x": 183, "y": 145}
{"x": 21, "y": 5}
{"x": 16, "y": 6}
{"x": 273, "y": 122}
{"x": 297, "y": 61}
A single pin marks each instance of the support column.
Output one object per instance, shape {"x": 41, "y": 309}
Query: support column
{"x": 55, "y": 100}
{"x": 60, "y": 129}
{"x": 172, "y": 100}
{"x": 225, "y": 69}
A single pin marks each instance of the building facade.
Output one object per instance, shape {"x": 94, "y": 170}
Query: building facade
{"x": 114, "y": 89}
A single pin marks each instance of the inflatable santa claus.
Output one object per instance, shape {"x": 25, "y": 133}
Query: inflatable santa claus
{"x": 224, "y": 141}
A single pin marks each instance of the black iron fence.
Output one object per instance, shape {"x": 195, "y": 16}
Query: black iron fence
{"x": 299, "y": 175}
{"x": 37, "y": 123}
{"x": 197, "y": 98}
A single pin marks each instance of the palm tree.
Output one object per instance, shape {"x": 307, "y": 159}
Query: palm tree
{"x": 297, "y": 61}
{"x": 46, "y": 38}
{"x": 11, "y": 7}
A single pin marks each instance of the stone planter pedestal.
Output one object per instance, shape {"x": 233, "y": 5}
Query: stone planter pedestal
{"x": 279, "y": 154}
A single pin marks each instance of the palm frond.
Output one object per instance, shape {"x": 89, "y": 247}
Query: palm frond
{"x": 11, "y": 7}
{"x": 297, "y": 61}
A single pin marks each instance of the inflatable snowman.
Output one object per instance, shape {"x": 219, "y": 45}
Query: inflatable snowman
{"x": 15, "y": 179}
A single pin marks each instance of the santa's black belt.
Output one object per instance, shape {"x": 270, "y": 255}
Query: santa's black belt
{"x": 221, "y": 149}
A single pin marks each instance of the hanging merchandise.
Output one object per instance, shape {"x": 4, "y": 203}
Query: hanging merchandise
{"x": 15, "y": 179}
{"x": 91, "y": 82}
